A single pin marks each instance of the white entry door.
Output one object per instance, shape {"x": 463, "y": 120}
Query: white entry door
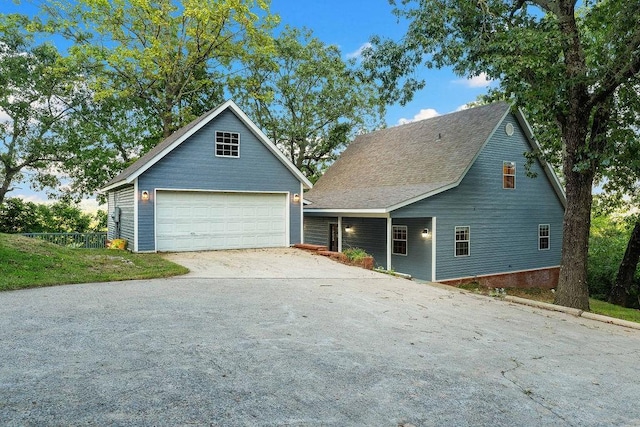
{"x": 195, "y": 221}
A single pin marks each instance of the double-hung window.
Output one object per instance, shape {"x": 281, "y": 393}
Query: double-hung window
{"x": 227, "y": 144}
{"x": 463, "y": 241}
{"x": 543, "y": 236}
{"x": 508, "y": 175}
{"x": 399, "y": 240}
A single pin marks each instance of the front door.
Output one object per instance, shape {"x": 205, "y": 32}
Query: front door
{"x": 333, "y": 237}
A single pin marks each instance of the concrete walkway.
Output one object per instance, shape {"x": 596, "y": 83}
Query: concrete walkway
{"x": 323, "y": 350}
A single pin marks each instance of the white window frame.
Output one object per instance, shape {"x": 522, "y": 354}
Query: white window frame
{"x": 405, "y": 240}
{"x": 504, "y": 174}
{"x": 456, "y": 241}
{"x": 227, "y": 144}
{"x": 540, "y": 237}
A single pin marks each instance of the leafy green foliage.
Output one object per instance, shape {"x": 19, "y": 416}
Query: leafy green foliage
{"x": 40, "y": 91}
{"x": 355, "y": 254}
{"x": 18, "y": 216}
{"x": 308, "y": 100}
{"x": 606, "y": 246}
{"x": 173, "y": 58}
{"x": 29, "y": 263}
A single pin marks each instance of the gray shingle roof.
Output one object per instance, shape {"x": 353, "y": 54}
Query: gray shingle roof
{"x": 391, "y": 166}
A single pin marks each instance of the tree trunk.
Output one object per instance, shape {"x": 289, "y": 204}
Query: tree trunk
{"x": 624, "y": 279}
{"x": 572, "y": 288}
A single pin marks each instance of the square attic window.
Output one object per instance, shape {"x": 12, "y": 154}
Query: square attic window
{"x": 227, "y": 144}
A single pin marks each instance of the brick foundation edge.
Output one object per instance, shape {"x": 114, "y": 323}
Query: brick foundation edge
{"x": 546, "y": 278}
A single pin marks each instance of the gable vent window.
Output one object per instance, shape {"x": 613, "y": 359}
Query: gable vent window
{"x": 227, "y": 144}
{"x": 399, "y": 240}
{"x": 463, "y": 241}
{"x": 543, "y": 236}
{"x": 508, "y": 175}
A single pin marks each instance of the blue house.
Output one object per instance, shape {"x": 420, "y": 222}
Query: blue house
{"x": 448, "y": 199}
{"x": 217, "y": 183}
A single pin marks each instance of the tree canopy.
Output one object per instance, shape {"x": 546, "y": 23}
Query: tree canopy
{"x": 566, "y": 68}
{"x": 308, "y": 100}
{"x": 40, "y": 91}
{"x": 174, "y": 58}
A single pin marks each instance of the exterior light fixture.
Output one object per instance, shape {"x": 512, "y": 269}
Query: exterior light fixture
{"x": 348, "y": 229}
{"x": 296, "y": 198}
{"x": 145, "y": 196}
{"x": 425, "y": 233}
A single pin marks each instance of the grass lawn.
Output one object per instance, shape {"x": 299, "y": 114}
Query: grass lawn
{"x": 546, "y": 295}
{"x": 28, "y": 263}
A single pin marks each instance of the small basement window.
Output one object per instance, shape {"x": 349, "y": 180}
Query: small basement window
{"x": 463, "y": 241}
{"x": 399, "y": 240}
{"x": 227, "y": 144}
{"x": 508, "y": 175}
{"x": 543, "y": 237}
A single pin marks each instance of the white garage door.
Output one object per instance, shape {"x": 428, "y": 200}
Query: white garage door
{"x": 194, "y": 221}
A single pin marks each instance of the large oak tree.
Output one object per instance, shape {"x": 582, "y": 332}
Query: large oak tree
{"x": 564, "y": 66}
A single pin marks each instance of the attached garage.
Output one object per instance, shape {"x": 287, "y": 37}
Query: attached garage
{"x": 216, "y": 183}
{"x": 194, "y": 221}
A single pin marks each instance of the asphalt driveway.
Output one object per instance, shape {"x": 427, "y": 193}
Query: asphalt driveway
{"x": 327, "y": 346}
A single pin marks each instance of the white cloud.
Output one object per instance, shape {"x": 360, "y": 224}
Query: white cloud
{"x": 358, "y": 52}
{"x": 4, "y": 117}
{"x": 34, "y": 198}
{"x": 475, "y": 82}
{"x": 425, "y": 113}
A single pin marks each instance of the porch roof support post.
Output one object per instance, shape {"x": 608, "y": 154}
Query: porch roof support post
{"x": 339, "y": 234}
{"x": 433, "y": 249}
{"x": 389, "y": 241}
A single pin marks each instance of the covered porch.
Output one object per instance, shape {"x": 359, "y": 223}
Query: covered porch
{"x": 403, "y": 245}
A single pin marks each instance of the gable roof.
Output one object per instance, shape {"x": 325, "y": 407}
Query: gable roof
{"x": 154, "y": 155}
{"x": 394, "y": 167}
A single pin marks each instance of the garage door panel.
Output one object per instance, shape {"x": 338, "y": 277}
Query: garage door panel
{"x": 200, "y": 221}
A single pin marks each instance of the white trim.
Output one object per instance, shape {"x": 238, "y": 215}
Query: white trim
{"x": 455, "y": 241}
{"x": 287, "y": 213}
{"x": 389, "y": 241}
{"x": 504, "y": 272}
{"x": 135, "y": 215}
{"x": 155, "y": 220}
{"x": 548, "y": 236}
{"x": 229, "y": 104}
{"x": 406, "y": 239}
{"x": 339, "y": 234}
{"x": 433, "y": 249}
{"x": 215, "y": 148}
{"x": 365, "y": 213}
{"x": 301, "y": 214}
{"x": 196, "y": 190}
{"x": 515, "y": 170}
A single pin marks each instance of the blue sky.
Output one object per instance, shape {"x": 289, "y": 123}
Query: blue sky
{"x": 348, "y": 24}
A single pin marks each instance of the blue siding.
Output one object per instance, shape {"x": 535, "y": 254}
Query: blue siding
{"x": 316, "y": 229}
{"x": 504, "y": 223}
{"x": 417, "y": 262}
{"x": 369, "y": 234}
{"x": 193, "y": 165}
{"x": 123, "y": 199}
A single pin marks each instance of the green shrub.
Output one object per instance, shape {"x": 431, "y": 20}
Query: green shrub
{"x": 355, "y": 254}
